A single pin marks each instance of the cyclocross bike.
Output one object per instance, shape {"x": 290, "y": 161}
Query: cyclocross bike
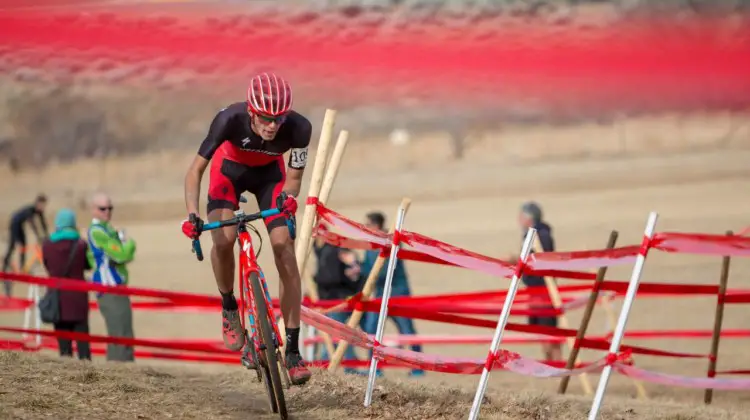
{"x": 264, "y": 342}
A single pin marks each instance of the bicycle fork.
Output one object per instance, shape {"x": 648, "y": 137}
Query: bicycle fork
{"x": 251, "y": 316}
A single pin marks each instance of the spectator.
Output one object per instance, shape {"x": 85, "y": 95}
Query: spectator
{"x": 64, "y": 255}
{"x": 531, "y": 216}
{"x": 337, "y": 277}
{"x": 400, "y": 287}
{"x": 18, "y": 235}
{"x": 110, "y": 252}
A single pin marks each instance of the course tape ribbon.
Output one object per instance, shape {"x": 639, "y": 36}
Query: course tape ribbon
{"x": 508, "y": 360}
{"x": 568, "y": 264}
{"x": 620, "y": 287}
{"x": 488, "y": 302}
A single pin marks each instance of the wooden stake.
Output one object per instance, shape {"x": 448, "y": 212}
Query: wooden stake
{"x": 573, "y": 356}
{"x": 367, "y": 290}
{"x": 321, "y": 157}
{"x": 332, "y": 170}
{"x": 305, "y": 228}
{"x": 718, "y": 319}
{"x": 557, "y": 303}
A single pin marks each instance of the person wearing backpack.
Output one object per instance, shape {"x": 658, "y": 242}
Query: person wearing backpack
{"x": 64, "y": 255}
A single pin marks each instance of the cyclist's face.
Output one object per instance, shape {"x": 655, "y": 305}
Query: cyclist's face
{"x": 267, "y": 127}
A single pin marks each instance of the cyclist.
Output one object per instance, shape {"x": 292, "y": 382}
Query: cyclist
{"x": 245, "y": 144}
{"x": 18, "y": 236}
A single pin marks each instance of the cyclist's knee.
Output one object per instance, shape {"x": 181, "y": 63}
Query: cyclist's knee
{"x": 281, "y": 244}
{"x": 223, "y": 242}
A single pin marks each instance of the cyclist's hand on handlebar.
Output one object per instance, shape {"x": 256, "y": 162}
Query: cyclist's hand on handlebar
{"x": 191, "y": 226}
{"x": 287, "y": 204}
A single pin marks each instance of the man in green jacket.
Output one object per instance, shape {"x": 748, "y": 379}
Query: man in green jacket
{"x": 109, "y": 252}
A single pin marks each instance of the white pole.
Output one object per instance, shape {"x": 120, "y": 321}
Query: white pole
{"x": 38, "y": 317}
{"x": 310, "y": 348}
{"x": 384, "y": 305}
{"x": 27, "y": 313}
{"x": 614, "y": 348}
{"x": 504, "y": 315}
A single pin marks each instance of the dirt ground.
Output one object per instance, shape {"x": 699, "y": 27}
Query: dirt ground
{"x": 46, "y": 387}
{"x": 472, "y": 204}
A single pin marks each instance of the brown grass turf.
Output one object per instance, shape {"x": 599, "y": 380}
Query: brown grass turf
{"x": 40, "y": 386}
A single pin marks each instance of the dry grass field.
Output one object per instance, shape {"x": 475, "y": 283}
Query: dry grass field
{"x": 470, "y": 203}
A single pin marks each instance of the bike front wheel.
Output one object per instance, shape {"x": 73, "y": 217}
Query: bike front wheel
{"x": 265, "y": 333}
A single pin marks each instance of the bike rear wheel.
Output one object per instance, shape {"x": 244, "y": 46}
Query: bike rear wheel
{"x": 268, "y": 346}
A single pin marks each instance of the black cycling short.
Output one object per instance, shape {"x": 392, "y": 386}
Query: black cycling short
{"x": 229, "y": 179}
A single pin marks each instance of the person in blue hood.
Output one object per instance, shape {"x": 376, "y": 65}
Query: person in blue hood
{"x": 399, "y": 287}
{"x": 531, "y": 216}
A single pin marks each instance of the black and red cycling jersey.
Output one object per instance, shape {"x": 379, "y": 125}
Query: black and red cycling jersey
{"x": 242, "y": 161}
{"x": 231, "y": 137}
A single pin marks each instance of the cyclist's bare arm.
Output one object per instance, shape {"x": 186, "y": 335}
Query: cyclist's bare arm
{"x": 214, "y": 138}
{"x": 293, "y": 183}
{"x": 193, "y": 183}
{"x": 297, "y": 160}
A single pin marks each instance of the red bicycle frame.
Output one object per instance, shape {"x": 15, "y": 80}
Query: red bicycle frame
{"x": 248, "y": 265}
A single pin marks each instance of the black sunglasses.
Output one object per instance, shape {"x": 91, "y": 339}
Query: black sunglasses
{"x": 279, "y": 119}
{"x": 110, "y": 208}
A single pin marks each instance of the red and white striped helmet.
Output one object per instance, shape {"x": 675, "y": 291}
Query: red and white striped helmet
{"x": 269, "y": 94}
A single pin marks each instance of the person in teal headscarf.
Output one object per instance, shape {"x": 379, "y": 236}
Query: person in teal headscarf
{"x": 64, "y": 256}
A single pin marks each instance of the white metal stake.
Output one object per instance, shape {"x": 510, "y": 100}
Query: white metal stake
{"x": 384, "y": 305}
{"x": 504, "y": 315}
{"x": 627, "y": 303}
{"x": 38, "y": 317}
{"x": 27, "y": 314}
{"x": 310, "y": 348}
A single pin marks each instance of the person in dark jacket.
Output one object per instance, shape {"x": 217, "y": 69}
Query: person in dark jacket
{"x": 531, "y": 216}
{"x": 337, "y": 277}
{"x": 74, "y": 306}
{"x": 24, "y": 215}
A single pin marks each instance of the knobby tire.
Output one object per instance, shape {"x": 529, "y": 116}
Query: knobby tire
{"x": 263, "y": 325}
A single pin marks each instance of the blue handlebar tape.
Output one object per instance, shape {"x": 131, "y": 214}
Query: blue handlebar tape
{"x": 263, "y": 214}
{"x": 269, "y": 213}
{"x": 210, "y": 226}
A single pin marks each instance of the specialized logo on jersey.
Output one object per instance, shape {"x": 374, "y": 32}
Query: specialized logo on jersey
{"x": 298, "y": 158}
{"x": 247, "y": 146}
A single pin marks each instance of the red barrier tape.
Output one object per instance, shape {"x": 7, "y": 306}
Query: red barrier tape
{"x": 564, "y": 262}
{"x": 702, "y": 244}
{"x": 737, "y": 297}
{"x": 510, "y": 361}
{"x": 406, "y": 340}
{"x": 432, "y": 249}
{"x": 449, "y": 302}
{"x": 161, "y": 344}
{"x": 429, "y": 249}
{"x": 433, "y": 308}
